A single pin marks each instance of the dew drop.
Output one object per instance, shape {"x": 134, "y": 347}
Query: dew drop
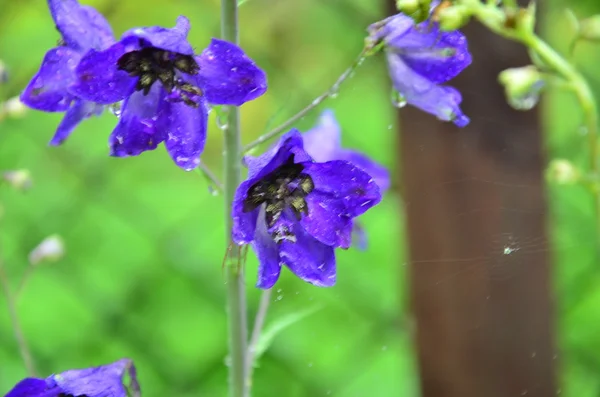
{"x": 526, "y": 102}
{"x": 398, "y": 100}
{"x": 213, "y": 190}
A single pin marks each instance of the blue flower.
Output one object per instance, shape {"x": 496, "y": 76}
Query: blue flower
{"x": 103, "y": 381}
{"x": 166, "y": 88}
{"x": 82, "y": 29}
{"x": 323, "y": 143}
{"x": 420, "y": 58}
{"x": 295, "y": 211}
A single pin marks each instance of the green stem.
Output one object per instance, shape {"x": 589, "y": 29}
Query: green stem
{"x": 493, "y": 19}
{"x": 16, "y": 324}
{"x": 332, "y": 91}
{"x": 236, "y": 294}
{"x": 259, "y": 322}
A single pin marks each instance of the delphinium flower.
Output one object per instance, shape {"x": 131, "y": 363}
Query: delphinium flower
{"x": 82, "y": 29}
{"x": 420, "y": 58}
{"x": 295, "y": 211}
{"x": 103, "y": 381}
{"x": 323, "y": 143}
{"x": 166, "y": 88}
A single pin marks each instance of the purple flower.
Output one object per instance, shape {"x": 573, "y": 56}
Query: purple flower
{"x": 166, "y": 88}
{"x": 82, "y": 29}
{"x": 295, "y": 211}
{"x": 420, "y": 58}
{"x": 103, "y": 381}
{"x": 323, "y": 143}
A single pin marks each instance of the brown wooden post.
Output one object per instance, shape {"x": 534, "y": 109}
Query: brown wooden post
{"x": 476, "y": 212}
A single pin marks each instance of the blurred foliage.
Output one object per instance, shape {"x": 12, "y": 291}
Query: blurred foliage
{"x": 142, "y": 277}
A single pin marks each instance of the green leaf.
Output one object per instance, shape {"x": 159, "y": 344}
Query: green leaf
{"x": 279, "y": 325}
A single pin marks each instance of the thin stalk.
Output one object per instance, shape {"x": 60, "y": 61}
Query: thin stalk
{"x": 236, "y": 290}
{"x": 332, "y": 91}
{"x": 16, "y": 324}
{"x": 210, "y": 177}
{"x": 259, "y": 322}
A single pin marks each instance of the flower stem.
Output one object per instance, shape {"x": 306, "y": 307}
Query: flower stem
{"x": 331, "y": 92}
{"x": 493, "y": 19}
{"x": 236, "y": 294}
{"x": 16, "y": 324}
{"x": 259, "y": 322}
{"x": 211, "y": 178}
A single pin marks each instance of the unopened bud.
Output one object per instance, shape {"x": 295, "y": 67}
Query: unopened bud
{"x": 51, "y": 249}
{"x": 13, "y": 108}
{"x": 453, "y": 17}
{"x": 416, "y": 9}
{"x": 562, "y": 172}
{"x": 589, "y": 28}
{"x": 522, "y": 86}
{"x": 19, "y": 179}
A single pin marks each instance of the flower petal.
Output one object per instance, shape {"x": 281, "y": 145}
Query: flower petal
{"x": 137, "y": 129}
{"x": 48, "y": 89}
{"x": 418, "y": 91}
{"x": 244, "y": 223}
{"x": 344, "y": 182}
{"x": 184, "y": 128}
{"x": 323, "y": 142}
{"x": 438, "y": 56}
{"x": 359, "y": 236}
{"x": 289, "y": 143}
{"x": 33, "y": 387}
{"x": 77, "y": 112}
{"x": 99, "y": 80}
{"x": 379, "y": 173}
{"x": 267, "y": 252}
{"x": 103, "y": 36}
{"x": 169, "y": 39}
{"x": 307, "y": 258}
{"x": 327, "y": 220}
{"x": 82, "y": 27}
{"x": 390, "y": 28}
{"x": 228, "y": 76}
{"x": 100, "y": 381}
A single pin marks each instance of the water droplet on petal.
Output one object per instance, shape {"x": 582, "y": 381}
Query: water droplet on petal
{"x": 398, "y": 100}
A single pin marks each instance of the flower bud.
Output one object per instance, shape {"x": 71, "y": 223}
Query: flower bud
{"x": 19, "y": 179}
{"x": 589, "y": 28}
{"x": 51, "y": 249}
{"x": 562, "y": 172}
{"x": 522, "y": 86}
{"x": 13, "y": 108}
{"x": 453, "y": 17}
{"x": 417, "y": 9}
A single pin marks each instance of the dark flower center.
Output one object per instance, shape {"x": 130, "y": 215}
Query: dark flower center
{"x": 285, "y": 187}
{"x": 151, "y": 64}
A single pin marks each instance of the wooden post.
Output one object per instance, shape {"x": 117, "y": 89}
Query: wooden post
{"x": 479, "y": 268}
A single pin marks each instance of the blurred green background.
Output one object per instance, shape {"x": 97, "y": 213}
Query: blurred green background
{"x": 142, "y": 277}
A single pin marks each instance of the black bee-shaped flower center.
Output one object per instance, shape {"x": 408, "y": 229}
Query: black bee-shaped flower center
{"x": 151, "y": 64}
{"x": 285, "y": 187}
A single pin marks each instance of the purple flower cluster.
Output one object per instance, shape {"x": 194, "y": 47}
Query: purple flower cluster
{"x": 420, "y": 58}
{"x": 300, "y": 200}
{"x": 165, "y": 88}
